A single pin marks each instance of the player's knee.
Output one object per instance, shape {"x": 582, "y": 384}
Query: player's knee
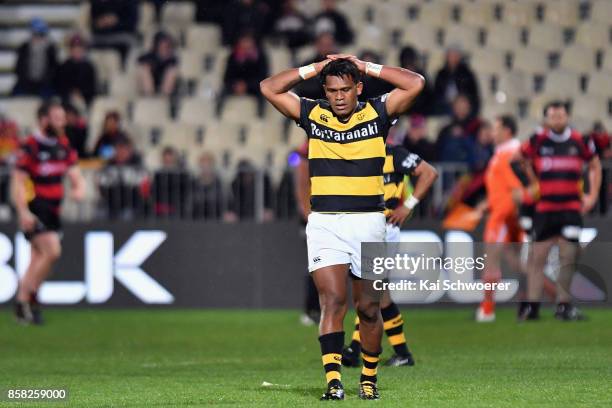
{"x": 368, "y": 311}
{"x": 53, "y": 252}
{"x": 333, "y": 305}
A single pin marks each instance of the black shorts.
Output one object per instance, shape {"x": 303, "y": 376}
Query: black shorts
{"x": 566, "y": 224}
{"x": 47, "y": 218}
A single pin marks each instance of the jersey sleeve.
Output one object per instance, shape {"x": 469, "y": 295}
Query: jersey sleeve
{"x": 404, "y": 161}
{"x": 509, "y": 175}
{"x": 306, "y": 105}
{"x": 380, "y": 107}
{"x": 24, "y": 159}
{"x": 528, "y": 148}
{"x": 587, "y": 148}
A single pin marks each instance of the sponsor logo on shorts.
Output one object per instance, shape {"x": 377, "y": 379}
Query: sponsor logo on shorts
{"x": 316, "y": 259}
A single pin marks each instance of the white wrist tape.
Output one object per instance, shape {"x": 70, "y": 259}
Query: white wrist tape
{"x": 373, "y": 69}
{"x": 411, "y": 202}
{"x": 306, "y": 71}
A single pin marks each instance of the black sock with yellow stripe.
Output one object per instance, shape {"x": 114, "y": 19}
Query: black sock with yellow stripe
{"x": 331, "y": 350}
{"x": 394, "y": 328}
{"x": 356, "y": 341}
{"x": 370, "y": 366}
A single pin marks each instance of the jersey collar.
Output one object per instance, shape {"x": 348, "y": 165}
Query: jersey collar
{"x": 559, "y": 138}
{"x": 40, "y": 137}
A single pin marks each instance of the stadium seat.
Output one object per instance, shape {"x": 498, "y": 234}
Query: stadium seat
{"x": 279, "y": 58}
{"x": 239, "y": 109}
{"x": 515, "y": 84}
{"x": 492, "y": 108}
{"x": 269, "y": 133}
{"x": 563, "y": 13}
{"x": 123, "y": 86}
{"x": 435, "y": 14}
{"x": 530, "y": 61}
{"x": 355, "y": 11}
{"x": 102, "y": 105}
{"x": 590, "y": 107}
{"x": 8, "y": 59}
{"x": 563, "y": 83}
{"x": 374, "y": 38}
{"x": 593, "y": 35}
{"x": 297, "y": 137}
{"x": 14, "y": 37}
{"x": 54, "y": 14}
{"x": 151, "y": 111}
{"x": 463, "y": 35}
{"x": 205, "y": 38}
{"x": 488, "y": 60}
{"x": 527, "y": 127}
{"x": 196, "y": 111}
{"x": 178, "y": 14}
{"x": 191, "y": 64}
{"x": 420, "y": 35}
{"x": 546, "y": 37}
{"x": 607, "y": 62}
{"x": 518, "y": 13}
{"x": 477, "y": 14}
{"x": 578, "y": 59}
{"x": 107, "y": 63}
{"x": 22, "y": 110}
{"x": 600, "y": 83}
{"x": 179, "y": 135}
{"x": 503, "y": 36}
{"x": 434, "y": 60}
{"x": 434, "y": 126}
{"x": 146, "y": 16}
{"x": 7, "y": 83}
{"x": 601, "y": 11}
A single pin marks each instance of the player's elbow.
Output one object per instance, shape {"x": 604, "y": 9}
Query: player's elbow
{"x": 418, "y": 82}
{"x": 264, "y": 88}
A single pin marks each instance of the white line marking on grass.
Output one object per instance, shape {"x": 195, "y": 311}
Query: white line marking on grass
{"x": 267, "y": 384}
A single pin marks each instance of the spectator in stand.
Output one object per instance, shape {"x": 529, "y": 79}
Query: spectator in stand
{"x": 292, "y": 26}
{"x": 243, "y": 205}
{"x": 171, "y": 185}
{"x": 456, "y": 77}
{"x": 311, "y": 88}
{"x": 158, "y": 68}
{"x": 207, "y": 190}
{"x": 76, "y": 77}
{"x": 114, "y": 24}
{"x": 76, "y": 130}
{"x": 410, "y": 59}
{"x": 243, "y": 16}
{"x": 246, "y": 66}
{"x": 373, "y": 87}
{"x": 482, "y": 150}
{"x": 210, "y": 11}
{"x": 416, "y": 139}
{"x": 111, "y": 134}
{"x": 456, "y": 139}
{"x": 36, "y": 63}
{"x": 330, "y": 20}
{"x": 123, "y": 183}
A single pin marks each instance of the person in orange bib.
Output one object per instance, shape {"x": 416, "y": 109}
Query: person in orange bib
{"x": 505, "y": 192}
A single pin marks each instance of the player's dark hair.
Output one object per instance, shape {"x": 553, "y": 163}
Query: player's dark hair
{"x": 46, "y": 106}
{"x": 340, "y": 68}
{"x": 508, "y": 122}
{"x": 556, "y": 104}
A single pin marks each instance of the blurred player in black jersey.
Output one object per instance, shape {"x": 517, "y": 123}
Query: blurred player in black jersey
{"x": 44, "y": 159}
{"x": 554, "y": 158}
{"x": 399, "y": 163}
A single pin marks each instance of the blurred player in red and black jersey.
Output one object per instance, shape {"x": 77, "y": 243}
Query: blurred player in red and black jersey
{"x": 43, "y": 160}
{"x": 555, "y": 159}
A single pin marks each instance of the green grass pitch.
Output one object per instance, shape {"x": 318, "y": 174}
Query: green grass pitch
{"x": 189, "y": 358}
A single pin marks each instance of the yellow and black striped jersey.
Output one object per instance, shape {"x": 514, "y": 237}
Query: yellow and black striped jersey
{"x": 399, "y": 162}
{"x": 346, "y": 159}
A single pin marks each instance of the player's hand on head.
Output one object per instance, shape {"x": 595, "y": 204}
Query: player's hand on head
{"x": 321, "y": 64}
{"x": 77, "y": 195}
